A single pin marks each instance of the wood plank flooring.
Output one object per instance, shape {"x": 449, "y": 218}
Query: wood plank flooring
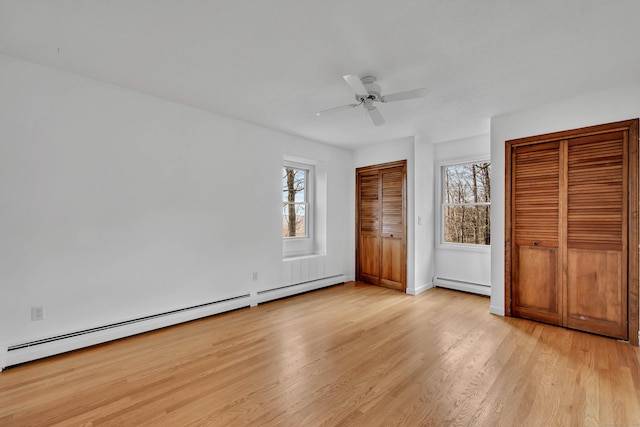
{"x": 351, "y": 354}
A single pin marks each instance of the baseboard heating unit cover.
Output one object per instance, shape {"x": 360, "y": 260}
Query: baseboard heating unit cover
{"x": 37, "y": 349}
{"x": 48, "y": 346}
{"x": 461, "y": 285}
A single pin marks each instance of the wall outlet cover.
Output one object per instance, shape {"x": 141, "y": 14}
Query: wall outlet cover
{"x": 37, "y": 312}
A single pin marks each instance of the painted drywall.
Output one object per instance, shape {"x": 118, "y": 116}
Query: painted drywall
{"x": 425, "y": 215}
{"x": 117, "y": 205}
{"x": 389, "y": 152}
{"x": 616, "y": 104}
{"x": 459, "y": 262}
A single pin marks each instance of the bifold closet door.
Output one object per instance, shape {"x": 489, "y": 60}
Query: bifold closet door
{"x": 597, "y": 207}
{"x": 381, "y": 225}
{"x": 392, "y": 237}
{"x": 569, "y": 259}
{"x": 369, "y": 227}
{"x": 537, "y": 254}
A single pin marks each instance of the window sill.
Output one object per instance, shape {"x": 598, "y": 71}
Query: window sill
{"x": 464, "y": 247}
{"x": 301, "y": 256}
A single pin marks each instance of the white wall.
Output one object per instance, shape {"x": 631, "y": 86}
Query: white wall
{"x": 616, "y": 104}
{"x": 460, "y": 262}
{"x": 117, "y": 205}
{"x": 389, "y": 152}
{"x": 425, "y": 215}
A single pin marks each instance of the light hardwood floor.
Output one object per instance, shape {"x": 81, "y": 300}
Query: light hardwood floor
{"x": 351, "y": 354}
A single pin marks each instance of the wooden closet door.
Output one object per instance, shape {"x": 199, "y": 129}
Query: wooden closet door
{"x": 369, "y": 227}
{"x": 393, "y": 268}
{"x": 537, "y": 255}
{"x": 596, "y": 281}
{"x": 572, "y": 229}
{"x": 381, "y": 225}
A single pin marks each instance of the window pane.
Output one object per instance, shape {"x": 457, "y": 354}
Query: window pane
{"x": 468, "y": 183}
{"x": 294, "y": 220}
{"x": 467, "y": 224}
{"x": 294, "y": 183}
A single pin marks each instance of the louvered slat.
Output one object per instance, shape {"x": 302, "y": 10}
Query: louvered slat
{"x": 369, "y": 209}
{"x": 536, "y": 191}
{"x": 392, "y": 202}
{"x": 596, "y": 191}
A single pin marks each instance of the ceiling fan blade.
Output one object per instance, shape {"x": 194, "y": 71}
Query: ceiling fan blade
{"x": 356, "y": 84}
{"x": 332, "y": 110}
{"x": 376, "y": 117}
{"x": 401, "y": 96}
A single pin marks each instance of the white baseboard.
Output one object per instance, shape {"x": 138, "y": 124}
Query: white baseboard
{"x": 459, "y": 285}
{"x": 499, "y": 310}
{"x": 10, "y": 355}
{"x": 3, "y": 356}
{"x": 286, "y": 291}
{"x": 420, "y": 289}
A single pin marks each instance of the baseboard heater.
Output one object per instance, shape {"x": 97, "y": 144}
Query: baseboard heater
{"x": 118, "y": 324}
{"x": 461, "y": 285}
{"x": 37, "y": 349}
{"x": 293, "y": 286}
{"x": 45, "y": 347}
{"x": 298, "y": 288}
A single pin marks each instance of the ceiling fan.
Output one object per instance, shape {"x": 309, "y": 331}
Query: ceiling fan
{"x": 367, "y": 92}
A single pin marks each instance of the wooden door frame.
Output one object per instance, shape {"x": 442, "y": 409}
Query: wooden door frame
{"x": 396, "y": 164}
{"x": 633, "y": 282}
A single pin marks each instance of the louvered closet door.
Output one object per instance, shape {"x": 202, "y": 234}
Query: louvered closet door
{"x": 596, "y": 282}
{"x": 369, "y": 227}
{"x": 536, "y": 252}
{"x": 381, "y": 225}
{"x": 571, "y": 249}
{"x": 393, "y": 268}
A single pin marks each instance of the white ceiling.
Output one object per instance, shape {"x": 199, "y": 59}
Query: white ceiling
{"x": 277, "y": 62}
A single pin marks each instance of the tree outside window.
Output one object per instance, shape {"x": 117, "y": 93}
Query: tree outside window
{"x": 466, "y": 207}
{"x": 294, "y": 202}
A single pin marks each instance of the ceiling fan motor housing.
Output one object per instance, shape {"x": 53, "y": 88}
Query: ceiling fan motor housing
{"x": 367, "y": 92}
{"x": 373, "y": 89}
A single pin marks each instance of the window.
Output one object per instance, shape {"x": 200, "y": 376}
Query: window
{"x": 295, "y": 201}
{"x": 466, "y": 203}
{"x": 298, "y": 210}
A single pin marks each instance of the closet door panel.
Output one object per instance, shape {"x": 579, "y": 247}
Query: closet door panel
{"x": 393, "y": 268}
{"x": 370, "y": 259}
{"x": 537, "y": 295}
{"x": 392, "y": 274}
{"x": 597, "y": 234}
{"x": 369, "y": 223}
{"x": 595, "y": 300}
{"x": 536, "y": 288}
{"x": 597, "y": 192}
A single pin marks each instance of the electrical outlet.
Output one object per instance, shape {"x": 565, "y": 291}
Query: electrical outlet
{"x": 37, "y": 312}
{"x": 255, "y": 276}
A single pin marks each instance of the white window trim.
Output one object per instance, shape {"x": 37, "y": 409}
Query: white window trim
{"x": 439, "y": 224}
{"x": 297, "y": 246}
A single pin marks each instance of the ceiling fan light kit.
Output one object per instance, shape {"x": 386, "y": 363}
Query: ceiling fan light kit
{"x": 367, "y": 92}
